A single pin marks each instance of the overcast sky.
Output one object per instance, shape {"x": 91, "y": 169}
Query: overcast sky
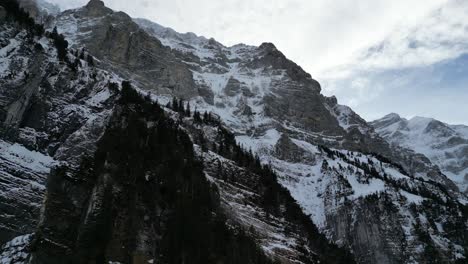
{"x": 348, "y": 45}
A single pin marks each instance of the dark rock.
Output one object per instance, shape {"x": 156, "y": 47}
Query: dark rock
{"x": 233, "y": 87}
{"x": 286, "y": 149}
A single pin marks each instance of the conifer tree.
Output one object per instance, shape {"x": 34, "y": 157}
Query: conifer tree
{"x": 187, "y": 109}
{"x": 90, "y": 60}
{"x": 196, "y": 117}
{"x": 180, "y": 107}
{"x": 175, "y": 104}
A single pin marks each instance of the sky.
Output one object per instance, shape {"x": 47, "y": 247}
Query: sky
{"x": 363, "y": 51}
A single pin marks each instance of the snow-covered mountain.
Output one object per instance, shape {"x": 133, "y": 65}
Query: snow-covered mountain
{"x": 334, "y": 180}
{"x": 445, "y": 145}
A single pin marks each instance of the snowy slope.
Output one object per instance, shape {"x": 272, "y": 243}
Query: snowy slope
{"x": 23, "y": 176}
{"x": 383, "y": 206}
{"x": 51, "y": 114}
{"x": 326, "y": 195}
{"x": 336, "y": 179}
{"x": 445, "y": 145}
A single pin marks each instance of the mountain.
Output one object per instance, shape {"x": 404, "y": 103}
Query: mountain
{"x": 404, "y": 67}
{"x": 208, "y": 154}
{"x": 445, "y": 145}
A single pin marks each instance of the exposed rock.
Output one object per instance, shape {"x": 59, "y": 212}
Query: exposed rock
{"x": 286, "y": 149}
{"x": 206, "y": 93}
{"x": 302, "y": 106}
{"x": 243, "y": 109}
{"x": 444, "y": 145}
{"x": 233, "y": 87}
{"x": 96, "y": 8}
{"x": 386, "y": 203}
{"x": 123, "y": 47}
{"x": 246, "y": 92}
{"x": 54, "y": 111}
{"x": 271, "y": 56}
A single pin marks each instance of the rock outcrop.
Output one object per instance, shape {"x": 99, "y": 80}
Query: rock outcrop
{"x": 445, "y": 145}
{"x": 278, "y": 169}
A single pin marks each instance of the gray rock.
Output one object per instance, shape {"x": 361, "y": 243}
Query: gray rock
{"x": 50, "y": 109}
{"x": 233, "y": 87}
{"x": 243, "y": 109}
{"x": 123, "y": 47}
{"x": 96, "y": 8}
{"x": 206, "y": 93}
{"x": 287, "y": 150}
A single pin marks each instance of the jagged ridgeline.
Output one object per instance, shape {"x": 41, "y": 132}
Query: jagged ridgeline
{"x": 14, "y": 12}
{"x": 144, "y": 196}
{"x": 248, "y": 163}
{"x": 141, "y": 194}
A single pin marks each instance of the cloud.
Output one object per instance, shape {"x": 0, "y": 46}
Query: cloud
{"x": 418, "y": 69}
{"x": 354, "y": 48}
{"x": 442, "y": 35}
{"x": 316, "y": 34}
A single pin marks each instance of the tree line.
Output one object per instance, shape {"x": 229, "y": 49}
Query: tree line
{"x": 16, "y": 13}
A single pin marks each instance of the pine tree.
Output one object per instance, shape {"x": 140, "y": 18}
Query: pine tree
{"x": 54, "y": 33}
{"x": 324, "y": 165}
{"x": 22, "y": 17}
{"x": 60, "y": 44}
{"x": 76, "y": 64}
{"x": 196, "y": 117}
{"x": 187, "y": 109}
{"x": 180, "y": 108}
{"x": 90, "y": 60}
{"x": 175, "y": 104}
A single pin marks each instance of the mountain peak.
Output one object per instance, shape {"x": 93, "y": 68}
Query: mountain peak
{"x": 419, "y": 122}
{"x": 95, "y": 3}
{"x": 421, "y": 119}
{"x": 97, "y": 8}
{"x": 268, "y": 46}
{"x": 393, "y": 116}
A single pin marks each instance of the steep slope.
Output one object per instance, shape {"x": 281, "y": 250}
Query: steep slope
{"x": 121, "y": 46}
{"x": 53, "y": 116}
{"x": 23, "y": 173}
{"x": 268, "y": 101}
{"x": 257, "y": 89}
{"x": 46, "y": 107}
{"x": 445, "y": 145}
{"x": 144, "y": 200}
{"x": 384, "y": 203}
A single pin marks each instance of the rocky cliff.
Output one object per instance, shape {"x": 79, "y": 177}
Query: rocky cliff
{"x": 287, "y": 169}
{"x": 445, "y": 145}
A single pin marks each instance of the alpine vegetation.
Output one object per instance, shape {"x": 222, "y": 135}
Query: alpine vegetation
{"x": 123, "y": 141}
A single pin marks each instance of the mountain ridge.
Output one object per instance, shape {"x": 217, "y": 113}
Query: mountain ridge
{"x": 383, "y": 203}
{"x": 446, "y": 145}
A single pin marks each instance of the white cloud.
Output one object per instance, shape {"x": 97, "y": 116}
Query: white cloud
{"x": 441, "y": 35}
{"x": 316, "y": 34}
{"x": 410, "y": 70}
{"x": 331, "y": 39}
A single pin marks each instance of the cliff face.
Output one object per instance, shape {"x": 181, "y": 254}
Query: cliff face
{"x": 156, "y": 198}
{"x": 445, "y": 145}
{"x": 139, "y": 200}
{"x": 126, "y": 49}
{"x": 98, "y": 199}
{"x": 132, "y": 181}
{"x": 49, "y": 114}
